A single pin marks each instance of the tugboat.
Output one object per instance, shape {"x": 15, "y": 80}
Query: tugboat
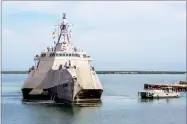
{"x": 163, "y": 92}
{"x": 63, "y": 73}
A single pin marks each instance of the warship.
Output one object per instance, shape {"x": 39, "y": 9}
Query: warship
{"x": 63, "y": 73}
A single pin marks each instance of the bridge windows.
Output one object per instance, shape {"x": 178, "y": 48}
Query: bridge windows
{"x": 84, "y": 55}
{"x": 78, "y": 55}
{"x": 52, "y": 54}
{"x": 64, "y": 55}
{"x": 43, "y": 55}
{"x": 65, "y": 85}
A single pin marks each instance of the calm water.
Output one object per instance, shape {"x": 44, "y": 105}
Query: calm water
{"x": 120, "y": 104}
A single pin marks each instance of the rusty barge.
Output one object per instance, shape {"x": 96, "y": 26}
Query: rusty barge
{"x": 180, "y": 87}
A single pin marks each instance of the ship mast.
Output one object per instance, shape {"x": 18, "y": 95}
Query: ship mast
{"x": 64, "y": 32}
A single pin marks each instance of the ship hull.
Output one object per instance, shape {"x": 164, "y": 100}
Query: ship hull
{"x": 147, "y": 95}
{"x": 27, "y": 96}
{"x": 84, "y": 98}
{"x": 60, "y": 86}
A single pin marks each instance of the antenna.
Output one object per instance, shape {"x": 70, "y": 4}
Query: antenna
{"x": 64, "y": 30}
{"x": 64, "y": 15}
{"x": 58, "y": 29}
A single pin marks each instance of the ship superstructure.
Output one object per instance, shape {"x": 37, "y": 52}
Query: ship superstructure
{"x": 63, "y": 73}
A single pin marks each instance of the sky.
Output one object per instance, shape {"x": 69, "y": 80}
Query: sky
{"x": 119, "y": 35}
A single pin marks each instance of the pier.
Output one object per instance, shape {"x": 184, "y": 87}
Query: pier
{"x": 179, "y": 87}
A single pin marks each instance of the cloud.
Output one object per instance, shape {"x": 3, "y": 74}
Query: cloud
{"x": 123, "y": 32}
{"x": 44, "y": 7}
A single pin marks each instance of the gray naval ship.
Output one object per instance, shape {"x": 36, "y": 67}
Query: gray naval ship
{"x": 63, "y": 73}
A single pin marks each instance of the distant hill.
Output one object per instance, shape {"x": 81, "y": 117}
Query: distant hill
{"x": 111, "y": 72}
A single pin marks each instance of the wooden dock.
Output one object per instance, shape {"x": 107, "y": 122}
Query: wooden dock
{"x": 181, "y": 87}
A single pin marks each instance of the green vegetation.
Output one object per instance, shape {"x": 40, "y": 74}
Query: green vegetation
{"x": 141, "y": 72}
{"x": 14, "y": 72}
{"x": 111, "y": 72}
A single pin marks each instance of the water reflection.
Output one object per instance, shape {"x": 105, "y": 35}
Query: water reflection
{"x": 120, "y": 104}
{"x": 48, "y": 113}
{"x": 164, "y": 100}
{"x": 53, "y": 103}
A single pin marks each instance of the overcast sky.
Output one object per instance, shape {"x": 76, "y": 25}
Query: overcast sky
{"x": 118, "y": 35}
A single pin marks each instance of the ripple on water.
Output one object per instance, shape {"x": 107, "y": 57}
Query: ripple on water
{"x": 120, "y": 104}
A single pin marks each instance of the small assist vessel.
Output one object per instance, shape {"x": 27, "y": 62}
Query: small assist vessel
{"x": 63, "y": 73}
{"x": 164, "y": 92}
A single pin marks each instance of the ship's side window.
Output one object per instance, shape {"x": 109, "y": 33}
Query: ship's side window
{"x": 43, "y": 55}
{"x": 84, "y": 55}
{"x": 60, "y": 54}
{"x": 63, "y": 54}
{"x": 73, "y": 54}
{"x": 53, "y": 54}
{"x": 66, "y": 54}
{"x": 65, "y": 85}
{"x": 78, "y": 55}
{"x": 60, "y": 67}
{"x": 69, "y": 54}
{"x": 57, "y": 54}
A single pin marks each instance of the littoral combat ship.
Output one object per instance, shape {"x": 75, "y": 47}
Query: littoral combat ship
{"x": 63, "y": 73}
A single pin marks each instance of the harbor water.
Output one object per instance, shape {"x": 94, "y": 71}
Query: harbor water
{"x": 120, "y": 104}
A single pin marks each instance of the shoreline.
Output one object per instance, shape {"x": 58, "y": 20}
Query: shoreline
{"x": 111, "y": 72}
